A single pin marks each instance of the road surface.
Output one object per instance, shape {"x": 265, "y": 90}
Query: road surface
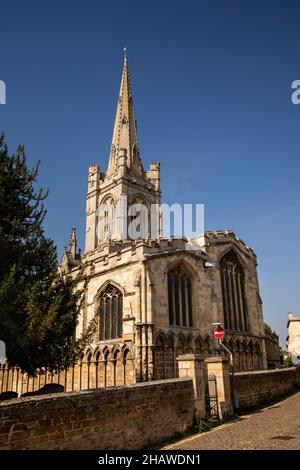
{"x": 275, "y": 427}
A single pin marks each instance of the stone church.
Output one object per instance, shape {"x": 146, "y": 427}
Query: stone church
{"x": 157, "y": 298}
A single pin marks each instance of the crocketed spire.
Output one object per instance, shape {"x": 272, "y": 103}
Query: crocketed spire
{"x": 125, "y": 128}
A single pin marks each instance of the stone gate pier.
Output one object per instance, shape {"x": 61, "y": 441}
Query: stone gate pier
{"x": 194, "y": 366}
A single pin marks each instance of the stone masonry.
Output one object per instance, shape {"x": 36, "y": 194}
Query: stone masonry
{"x": 130, "y": 417}
{"x": 254, "y": 388}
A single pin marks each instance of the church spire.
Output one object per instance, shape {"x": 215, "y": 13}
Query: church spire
{"x": 125, "y": 129}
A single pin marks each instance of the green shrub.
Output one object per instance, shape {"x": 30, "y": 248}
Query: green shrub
{"x": 288, "y": 362}
{"x": 203, "y": 425}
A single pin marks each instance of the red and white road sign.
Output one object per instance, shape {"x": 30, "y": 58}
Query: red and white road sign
{"x": 219, "y": 333}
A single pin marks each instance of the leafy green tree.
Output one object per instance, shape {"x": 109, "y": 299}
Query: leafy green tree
{"x": 288, "y": 362}
{"x": 268, "y": 329}
{"x": 39, "y": 308}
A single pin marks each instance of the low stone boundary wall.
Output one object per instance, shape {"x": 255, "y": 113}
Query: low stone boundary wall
{"x": 130, "y": 417}
{"x": 254, "y": 388}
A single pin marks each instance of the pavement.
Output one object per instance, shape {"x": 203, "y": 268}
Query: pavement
{"x": 276, "y": 427}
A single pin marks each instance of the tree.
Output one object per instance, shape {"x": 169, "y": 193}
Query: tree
{"x": 268, "y": 329}
{"x": 270, "y": 332}
{"x": 288, "y": 362}
{"x": 39, "y": 308}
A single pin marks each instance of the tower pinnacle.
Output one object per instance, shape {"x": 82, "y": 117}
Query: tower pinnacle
{"x": 73, "y": 242}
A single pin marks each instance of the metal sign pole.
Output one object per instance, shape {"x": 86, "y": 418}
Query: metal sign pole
{"x": 234, "y": 398}
{"x": 229, "y": 352}
{"x": 219, "y": 334}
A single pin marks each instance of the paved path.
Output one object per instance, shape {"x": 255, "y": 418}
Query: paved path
{"x": 276, "y": 427}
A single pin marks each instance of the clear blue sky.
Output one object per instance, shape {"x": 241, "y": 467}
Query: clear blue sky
{"x": 212, "y": 85}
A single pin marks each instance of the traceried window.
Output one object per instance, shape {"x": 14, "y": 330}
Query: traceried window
{"x": 106, "y": 214}
{"x": 180, "y": 298}
{"x": 111, "y": 313}
{"x": 233, "y": 293}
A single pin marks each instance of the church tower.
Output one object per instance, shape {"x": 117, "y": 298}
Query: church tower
{"x": 115, "y": 197}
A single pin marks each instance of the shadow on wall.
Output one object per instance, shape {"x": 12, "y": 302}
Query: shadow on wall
{"x": 48, "y": 388}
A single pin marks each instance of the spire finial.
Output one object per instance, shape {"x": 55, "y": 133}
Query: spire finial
{"x": 125, "y": 52}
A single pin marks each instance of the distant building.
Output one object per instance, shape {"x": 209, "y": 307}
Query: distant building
{"x": 293, "y": 339}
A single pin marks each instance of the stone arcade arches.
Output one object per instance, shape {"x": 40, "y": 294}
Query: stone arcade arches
{"x": 170, "y": 346}
{"x": 247, "y": 353}
{"x": 108, "y": 366}
{"x": 102, "y": 366}
{"x": 113, "y": 366}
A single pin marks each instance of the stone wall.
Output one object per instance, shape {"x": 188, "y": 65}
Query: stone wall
{"x": 254, "y": 388}
{"x": 130, "y": 417}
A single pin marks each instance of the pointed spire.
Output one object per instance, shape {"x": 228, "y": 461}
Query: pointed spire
{"x": 73, "y": 242}
{"x": 125, "y": 129}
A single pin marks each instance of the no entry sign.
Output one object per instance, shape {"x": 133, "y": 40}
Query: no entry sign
{"x": 219, "y": 333}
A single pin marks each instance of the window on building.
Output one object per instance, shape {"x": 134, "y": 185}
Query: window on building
{"x": 111, "y": 313}
{"x": 233, "y": 293}
{"x": 180, "y": 298}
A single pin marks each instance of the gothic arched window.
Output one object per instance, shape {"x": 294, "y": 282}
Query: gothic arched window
{"x": 106, "y": 214}
{"x": 111, "y": 313}
{"x": 180, "y": 298}
{"x": 233, "y": 293}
